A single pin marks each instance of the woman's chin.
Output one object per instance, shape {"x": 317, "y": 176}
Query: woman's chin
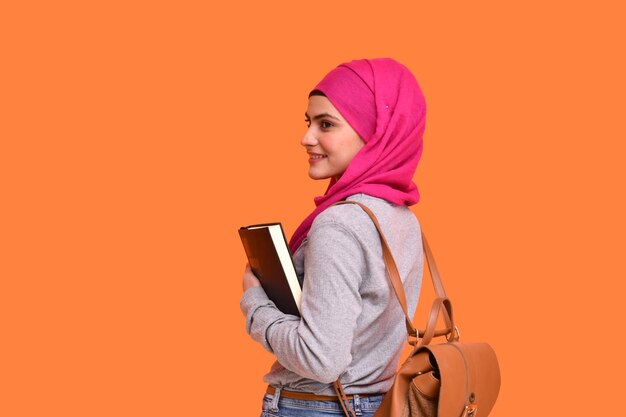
{"x": 317, "y": 175}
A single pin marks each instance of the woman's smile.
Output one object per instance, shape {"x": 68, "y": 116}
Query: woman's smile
{"x": 315, "y": 157}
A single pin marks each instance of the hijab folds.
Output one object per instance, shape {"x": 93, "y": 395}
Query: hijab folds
{"x": 384, "y": 104}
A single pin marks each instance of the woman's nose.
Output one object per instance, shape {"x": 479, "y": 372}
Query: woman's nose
{"x": 309, "y": 138}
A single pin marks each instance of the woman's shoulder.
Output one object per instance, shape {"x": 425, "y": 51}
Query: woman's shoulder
{"x": 342, "y": 214}
{"x": 354, "y": 219}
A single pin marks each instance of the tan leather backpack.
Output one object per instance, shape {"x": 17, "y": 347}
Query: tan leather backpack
{"x": 450, "y": 379}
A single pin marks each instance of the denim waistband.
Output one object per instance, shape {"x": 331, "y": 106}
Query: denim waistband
{"x": 359, "y": 403}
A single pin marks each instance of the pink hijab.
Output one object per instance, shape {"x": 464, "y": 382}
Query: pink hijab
{"x": 383, "y": 103}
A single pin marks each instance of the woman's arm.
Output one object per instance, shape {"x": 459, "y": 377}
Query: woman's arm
{"x": 317, "y": 346}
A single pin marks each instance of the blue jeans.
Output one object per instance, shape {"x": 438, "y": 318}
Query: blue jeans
{"x": 289, "y": 407}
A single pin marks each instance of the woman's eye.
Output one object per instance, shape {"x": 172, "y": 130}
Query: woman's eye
{"x": 326, "y": 125}
{"x": 308, "y": 122}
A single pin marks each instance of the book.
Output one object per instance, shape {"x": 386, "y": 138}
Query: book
{"x": 270, "y": 260}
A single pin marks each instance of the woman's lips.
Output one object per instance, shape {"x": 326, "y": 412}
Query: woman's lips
{"x": 315, "y": 158}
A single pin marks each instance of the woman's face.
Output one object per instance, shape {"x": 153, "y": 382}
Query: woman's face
{"x": 329, "y": 140}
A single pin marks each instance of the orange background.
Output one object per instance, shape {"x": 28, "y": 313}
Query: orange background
{"x": 137, "y": 137}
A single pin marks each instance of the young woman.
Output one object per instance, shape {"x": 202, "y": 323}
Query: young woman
{"x": 365, "y": 122}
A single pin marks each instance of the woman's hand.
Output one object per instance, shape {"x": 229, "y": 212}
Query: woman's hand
{"x": 249, "y": 279}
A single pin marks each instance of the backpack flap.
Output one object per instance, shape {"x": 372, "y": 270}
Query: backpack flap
{"x": 470, "y": 378}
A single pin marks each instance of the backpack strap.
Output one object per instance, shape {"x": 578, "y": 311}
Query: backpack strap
{"x": 441, "y": 302}
{"x": 398, "y": 288}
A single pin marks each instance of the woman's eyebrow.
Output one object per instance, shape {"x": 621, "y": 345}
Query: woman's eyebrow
{"x": 322, "y": 115}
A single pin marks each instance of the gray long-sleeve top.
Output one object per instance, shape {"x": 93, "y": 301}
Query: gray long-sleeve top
{"x": 352, "y": 325}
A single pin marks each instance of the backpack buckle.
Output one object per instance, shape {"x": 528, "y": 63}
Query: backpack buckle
{"x": 470, "y": 410}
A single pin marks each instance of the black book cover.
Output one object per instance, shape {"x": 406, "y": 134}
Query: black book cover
{"x": 270, "y": 260}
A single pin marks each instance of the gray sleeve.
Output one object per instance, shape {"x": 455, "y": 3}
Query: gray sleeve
{"x": 318, "y": 345}
{"x": 261, "y": 313}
